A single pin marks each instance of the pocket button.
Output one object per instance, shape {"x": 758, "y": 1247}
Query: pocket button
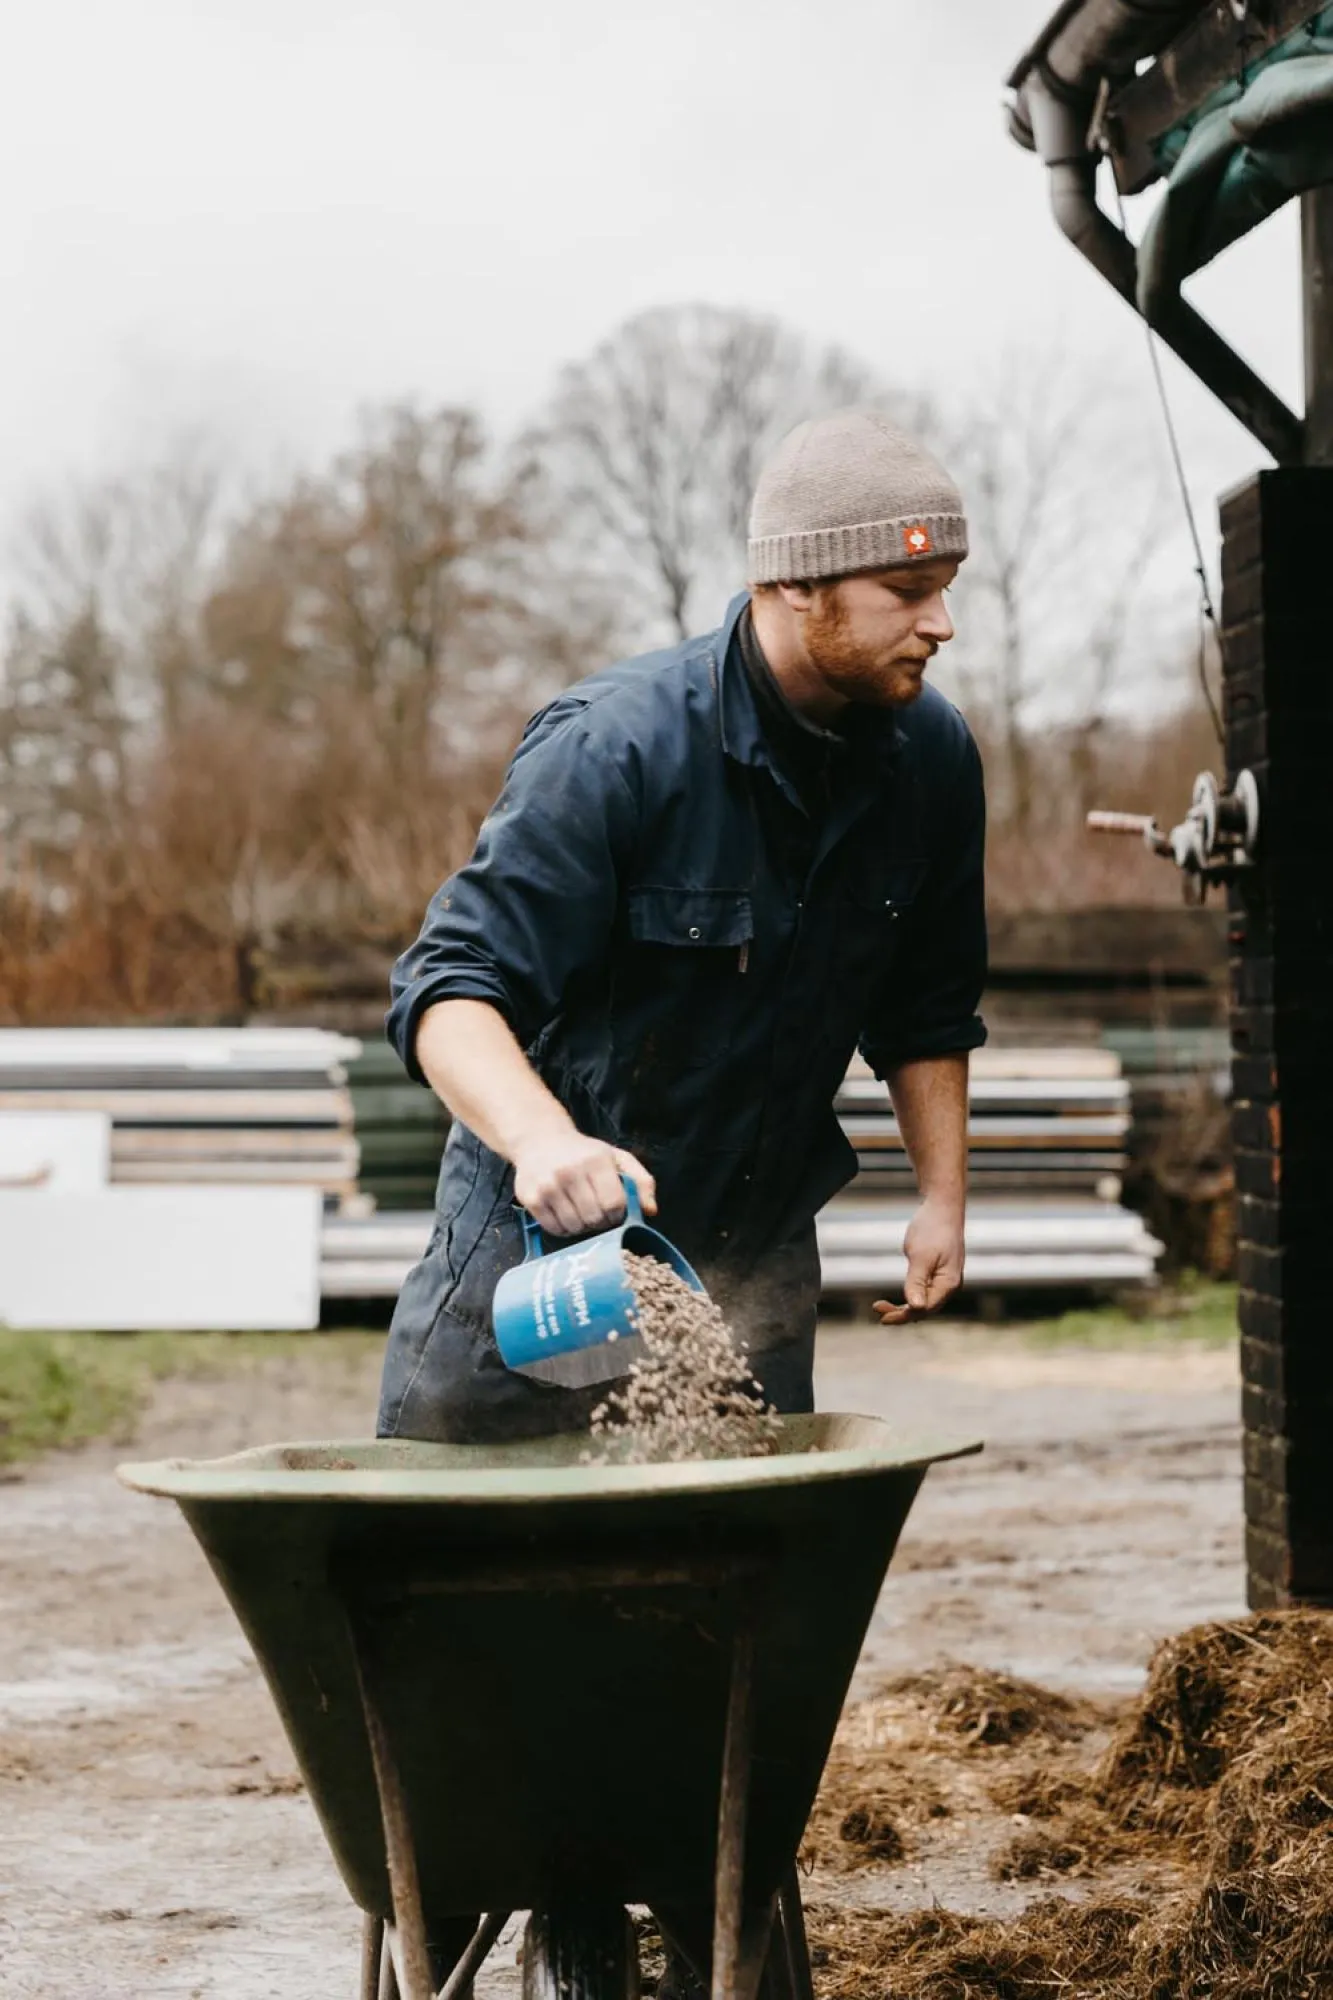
{"x": 695, "y": 933}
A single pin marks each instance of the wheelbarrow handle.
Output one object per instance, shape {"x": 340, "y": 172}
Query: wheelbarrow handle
{"x": 533, "y": 1246}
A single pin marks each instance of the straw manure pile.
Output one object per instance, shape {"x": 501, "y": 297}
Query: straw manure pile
{"x": 1054, "y": 1948}
{"x": 1215, "y": 1790}
{"x": 690, "y": 1394}
{"x": 932, "y": 1747}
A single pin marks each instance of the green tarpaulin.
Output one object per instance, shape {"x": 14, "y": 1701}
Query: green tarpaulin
{"x": 1261, "y": 139}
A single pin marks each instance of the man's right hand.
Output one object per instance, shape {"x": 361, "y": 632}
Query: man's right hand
{"x": 570, "y": 1184}
{"x": 567, "y": 1182}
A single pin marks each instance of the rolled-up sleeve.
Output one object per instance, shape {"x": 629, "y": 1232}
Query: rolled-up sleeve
{"x": 536, "y": 904}
{"x": 927, "y": 1004}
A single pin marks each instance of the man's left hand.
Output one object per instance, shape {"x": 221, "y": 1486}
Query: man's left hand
{"x": 934, "y": 1247}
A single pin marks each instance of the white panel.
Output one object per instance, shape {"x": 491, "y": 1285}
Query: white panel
{"x": 156, "y": 1257}
{"x": 58, "y": 1152}
{"x": 854, "y": 1274}
{"x": 149, "y": 1048}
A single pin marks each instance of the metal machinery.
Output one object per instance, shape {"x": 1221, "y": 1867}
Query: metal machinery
{"x": 1218, "y": 835}
{"x": 1209, "y": 99}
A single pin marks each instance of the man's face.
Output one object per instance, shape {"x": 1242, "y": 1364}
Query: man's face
{"x": 870, "y": 638}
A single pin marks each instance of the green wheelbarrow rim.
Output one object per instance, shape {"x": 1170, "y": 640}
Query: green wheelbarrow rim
{"x": 531, "y": 1472}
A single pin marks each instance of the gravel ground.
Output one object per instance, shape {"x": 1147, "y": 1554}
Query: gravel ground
{"x": 153, "y": 1841}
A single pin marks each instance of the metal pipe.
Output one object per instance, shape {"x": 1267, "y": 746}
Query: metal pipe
{"x": 372, "y": 1953}
{"x": 409, "y": 1935}
{"x": 733, "y": 1808}
{"x": 474, "y": 1956}
{"x": 1107, "y": 37}
{"x": 1058, "y": 122}
{"x": 1317, "y": 292}
{"x": 1087, "y": 39}
{"x": 794, "y": 1938}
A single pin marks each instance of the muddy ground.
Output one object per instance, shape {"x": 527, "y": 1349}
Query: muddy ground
{"x": 153, "y": 1838}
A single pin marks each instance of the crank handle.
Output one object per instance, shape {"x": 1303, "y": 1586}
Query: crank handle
{"x": 1141, "y": 823}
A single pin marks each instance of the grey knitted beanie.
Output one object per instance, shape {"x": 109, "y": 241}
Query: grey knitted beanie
{"x": 850, "y": 492}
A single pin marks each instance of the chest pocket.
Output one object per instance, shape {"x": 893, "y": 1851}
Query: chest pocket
{"x": 681, "y": 980}
{"x": 875, "y": 914}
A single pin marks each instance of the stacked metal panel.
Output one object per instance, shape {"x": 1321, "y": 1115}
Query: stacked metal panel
{"x": 199, "y": 1106}
{"x": 400, "y": 1129}
{"x": 273, "y": 1106}
{"x": 1011, "y": 1245}
{"x": 1040, "y": 1122}
{"x": 1167, "y": 1068}
{"x": 1047, "y": 1131}
{"x": 368, "y": 1256}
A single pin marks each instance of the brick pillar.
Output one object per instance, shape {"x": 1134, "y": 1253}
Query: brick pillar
{"x": 1277, "y": 614}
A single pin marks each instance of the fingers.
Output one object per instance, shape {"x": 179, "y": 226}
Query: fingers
{"x": 916, "y": 1299}
{"x": 584, "y": 1197}
{"x": 946, "y": 1284}
{"x": 920, "y": 1295}
{"x": 556, "y": 1210}
{"x": 604, "y": 1192}
{"x": 581, "y": 1193}
{"x": 639, "y": 1174}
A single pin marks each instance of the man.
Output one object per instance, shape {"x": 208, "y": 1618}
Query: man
{"x": 712, "y": 873}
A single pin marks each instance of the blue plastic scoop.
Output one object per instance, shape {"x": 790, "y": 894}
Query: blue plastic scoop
{"x": 568, "y": 1316}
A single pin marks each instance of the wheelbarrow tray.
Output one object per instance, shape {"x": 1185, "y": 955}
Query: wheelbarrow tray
{"x": 547, "y": 1651}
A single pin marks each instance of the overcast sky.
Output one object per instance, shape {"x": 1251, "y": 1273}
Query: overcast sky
{"x": 250, "y": 216}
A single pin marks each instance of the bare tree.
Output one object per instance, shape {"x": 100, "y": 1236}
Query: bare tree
{"x": 1062, "y": 603}
{"x": 131, "y": 554}
{"x": 62, "y": 728}
{"x": 412, "y": 574}
{"x": 656, "y": 440}
{"x": 214, "y": 732}
{"x": 103, "y": 646}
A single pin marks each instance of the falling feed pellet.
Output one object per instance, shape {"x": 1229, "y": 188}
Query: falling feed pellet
{"x": 690, "y": 1393}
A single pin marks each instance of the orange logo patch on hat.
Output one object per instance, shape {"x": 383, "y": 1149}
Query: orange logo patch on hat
{"x": 917, "y": 539}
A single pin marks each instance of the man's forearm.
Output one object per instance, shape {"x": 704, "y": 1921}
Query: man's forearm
{"x": 930, "y": 1102}
{"x": 570, "y": 1182}
{"x": 473, "y": 1063}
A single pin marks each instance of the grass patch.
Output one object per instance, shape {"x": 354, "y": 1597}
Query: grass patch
{"x": 60, "y": 1389}
{"x": 1196, "y": 1312}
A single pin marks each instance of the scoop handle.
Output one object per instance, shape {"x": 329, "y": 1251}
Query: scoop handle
{"x": 533, "y": 1246}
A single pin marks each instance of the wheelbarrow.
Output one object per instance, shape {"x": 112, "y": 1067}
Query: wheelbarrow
{"x": 514, "y": 1681}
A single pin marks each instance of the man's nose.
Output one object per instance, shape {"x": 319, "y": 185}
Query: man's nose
{"x": 935, "y": 622}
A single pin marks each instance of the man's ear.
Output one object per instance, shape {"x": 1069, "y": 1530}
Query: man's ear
{"x": 798, "y": 596}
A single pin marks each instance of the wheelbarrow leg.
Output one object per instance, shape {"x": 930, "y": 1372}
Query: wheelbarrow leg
{"x": 372, "y": 1951}
{"x": 410, "y": 1954}
{"x": 740, "y": 1931}
{"x": 474, "y": 1955}
{"x": 687, "y": 1935}
{"x": 795, "y": 1945}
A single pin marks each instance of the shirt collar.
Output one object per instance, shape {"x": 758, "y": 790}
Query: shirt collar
{"x": 741, "y": 731}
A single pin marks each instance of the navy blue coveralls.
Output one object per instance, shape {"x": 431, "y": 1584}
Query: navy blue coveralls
{"x": 689, "y": 964}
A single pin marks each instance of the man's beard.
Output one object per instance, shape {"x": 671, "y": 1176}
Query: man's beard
{"x": 847, "y": 668}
